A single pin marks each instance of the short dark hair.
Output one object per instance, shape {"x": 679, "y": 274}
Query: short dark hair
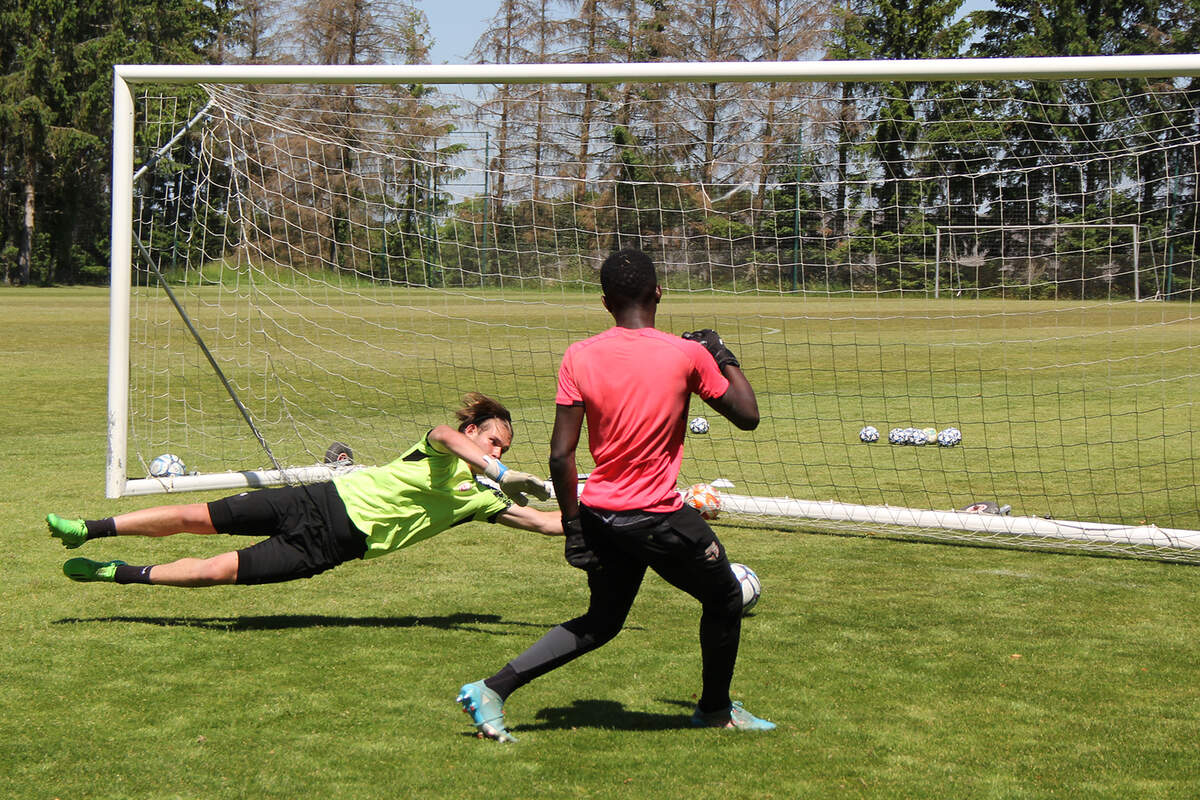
{"x": 627, "y": 278}
{"x": 478, "y": 409}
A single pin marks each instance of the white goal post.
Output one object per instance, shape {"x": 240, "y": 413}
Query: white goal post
{"x": 467, "y": 261}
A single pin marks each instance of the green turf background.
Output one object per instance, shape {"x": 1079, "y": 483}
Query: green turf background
{"x": 894, "y": 669}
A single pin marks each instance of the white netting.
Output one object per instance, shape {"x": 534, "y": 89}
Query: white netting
{"x": 358, "y": 257}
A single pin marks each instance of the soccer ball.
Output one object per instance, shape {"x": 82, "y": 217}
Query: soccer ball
{"x": 949, "y": 437}
{"x": 869, "y": 434}
{"x": 896, "y": 436}
{"x": 916, "y": 436}
{"x": 698, "y": 425}
{"x": 168, "y": 465}
{"x": 703, "y": 498}
{"x": 751, "y": 586}
{"x": 930, "y": 434}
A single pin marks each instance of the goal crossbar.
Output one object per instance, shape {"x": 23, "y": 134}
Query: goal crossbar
{"x": 1039, "y": 68}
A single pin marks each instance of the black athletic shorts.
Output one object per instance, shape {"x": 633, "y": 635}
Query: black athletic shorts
{"x": 308, "y": 527}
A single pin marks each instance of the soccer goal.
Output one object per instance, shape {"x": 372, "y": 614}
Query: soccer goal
{"x": 305, "y": 256}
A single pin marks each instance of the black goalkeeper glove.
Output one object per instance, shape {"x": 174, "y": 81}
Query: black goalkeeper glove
{"x": 578, "y": 554}
{"x": 712, "y": 343}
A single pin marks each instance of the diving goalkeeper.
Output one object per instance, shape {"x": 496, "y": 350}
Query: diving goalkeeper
{"x": 361, "y": 514}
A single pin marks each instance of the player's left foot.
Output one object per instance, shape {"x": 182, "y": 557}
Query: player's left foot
{"x": 733, "y": 717}
{"x": 72, "y": 532}
{"x": 486, "y": 710}
{"x": 86, "y": 570}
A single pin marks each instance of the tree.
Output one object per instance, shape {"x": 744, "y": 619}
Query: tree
{"x": 361, "y": 32}
{"x": 901, "y": 30}
{"x": 56, "y": 61}
{"x": 522, "y": 32}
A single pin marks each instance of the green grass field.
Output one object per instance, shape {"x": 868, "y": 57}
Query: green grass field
{"x": 894, "y": 668}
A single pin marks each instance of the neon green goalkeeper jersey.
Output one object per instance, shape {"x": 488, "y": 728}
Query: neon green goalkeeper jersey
{"x": 419, "y": 495}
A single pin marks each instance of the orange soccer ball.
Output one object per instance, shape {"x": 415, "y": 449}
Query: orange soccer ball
{"x": 704, "y": 499}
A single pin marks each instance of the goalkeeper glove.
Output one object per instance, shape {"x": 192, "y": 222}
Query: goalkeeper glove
{"x": 515, "y": 484}
{"x": 713, "y": 343}
{"x": 578, "y": 554}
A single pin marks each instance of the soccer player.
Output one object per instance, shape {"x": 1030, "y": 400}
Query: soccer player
{"x": 633, "y": 383}
{"x": 360, "y": 514}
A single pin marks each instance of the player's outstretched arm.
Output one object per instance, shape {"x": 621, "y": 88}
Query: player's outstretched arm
{"x": 548, "y": 523}
{"x": 739, "y": 404}
{"x": 513, "y": 483}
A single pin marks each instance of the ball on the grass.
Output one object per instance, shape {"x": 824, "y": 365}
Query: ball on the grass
{"x": 930, "y": 434}
{"x": 751, "y": 586}
{"x": 869, "y": 434}
{"x": 917, "y": 437}
{"x": 698, "y": 425}
{"x": 704, "y": 498}
{"x": 168, "y": 465}
{"x": 896, "y": 436}
{"x": 949, "y": 437}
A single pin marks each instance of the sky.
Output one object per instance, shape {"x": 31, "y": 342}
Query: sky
{"x": 455, "y": 25}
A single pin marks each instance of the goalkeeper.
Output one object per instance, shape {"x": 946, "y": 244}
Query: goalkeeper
{"x": 633, "y": 384}
{"x": 361, "y": 514}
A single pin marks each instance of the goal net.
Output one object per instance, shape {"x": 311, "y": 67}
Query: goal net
{"x": 307, "y": 256}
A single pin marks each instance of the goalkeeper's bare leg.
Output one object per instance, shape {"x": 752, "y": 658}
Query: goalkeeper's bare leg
{"x": 157, "y": 521}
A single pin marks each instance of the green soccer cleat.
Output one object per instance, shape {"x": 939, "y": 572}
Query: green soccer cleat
{"x": 72, "y": 532}
{"x": 733, "y": 717}
{"x": 85, "y": 570}
{"x": 486, "y": 710}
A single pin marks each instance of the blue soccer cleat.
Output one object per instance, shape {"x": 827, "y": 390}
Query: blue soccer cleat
{"x": 733, "y": 717}
{"x": 486, "y": 710}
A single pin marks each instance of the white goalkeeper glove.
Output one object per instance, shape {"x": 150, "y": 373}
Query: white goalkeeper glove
{"x": 515, "y": 484}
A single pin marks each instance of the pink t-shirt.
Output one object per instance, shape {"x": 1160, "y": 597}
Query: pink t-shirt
{"x": 634, "y": 384}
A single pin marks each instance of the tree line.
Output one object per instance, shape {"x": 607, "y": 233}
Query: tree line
{"x": 892, "y": 159}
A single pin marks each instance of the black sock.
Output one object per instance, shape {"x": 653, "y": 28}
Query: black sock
{"x": 98, "y": 528}
{"x": 504, "y": 682}
{"x": 128, "y": 574}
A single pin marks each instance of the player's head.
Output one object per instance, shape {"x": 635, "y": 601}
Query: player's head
{"x": 486, "y": 422}
{"x": 628, "y": 281}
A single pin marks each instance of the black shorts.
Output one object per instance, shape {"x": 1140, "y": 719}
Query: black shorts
{"x": 308, "y": 528}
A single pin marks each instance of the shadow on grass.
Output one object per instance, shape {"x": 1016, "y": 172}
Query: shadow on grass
{"x": 272, "y": 622}
{"x": 608, "y": 714}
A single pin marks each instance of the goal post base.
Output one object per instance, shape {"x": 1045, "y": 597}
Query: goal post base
{"x": 247, "y": 479}
{"x": 1001, "y": 525}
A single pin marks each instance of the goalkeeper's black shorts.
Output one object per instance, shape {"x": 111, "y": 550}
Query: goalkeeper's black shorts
{"x": 308, "y": 528}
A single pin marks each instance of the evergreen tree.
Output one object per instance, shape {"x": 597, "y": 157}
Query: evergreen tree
{"x": 56, "y": 60}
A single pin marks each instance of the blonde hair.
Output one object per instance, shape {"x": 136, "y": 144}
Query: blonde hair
{"x": 478, "y": 409}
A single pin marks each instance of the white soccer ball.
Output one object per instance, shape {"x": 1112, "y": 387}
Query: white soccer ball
{"x": 949, "y": 437}
{"x": 751, "y": 586}
{"x": 698, "y": 425}
{"x": 869, "y": 434}
{"x": 917, "y": 437}
{"x": 896, "y": 436}
{"x": 704, "y": 498}
{"x": 930, "y": 434}
{"x": 168, "y": 465}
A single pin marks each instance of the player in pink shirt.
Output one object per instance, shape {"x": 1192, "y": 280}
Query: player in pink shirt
{"x": 632, "y": 383}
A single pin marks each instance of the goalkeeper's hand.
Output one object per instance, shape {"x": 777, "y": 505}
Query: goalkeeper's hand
{"x": 578, "y": 554}
{"x": 713, "y": 343}
{"x": 515, "y": 484}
